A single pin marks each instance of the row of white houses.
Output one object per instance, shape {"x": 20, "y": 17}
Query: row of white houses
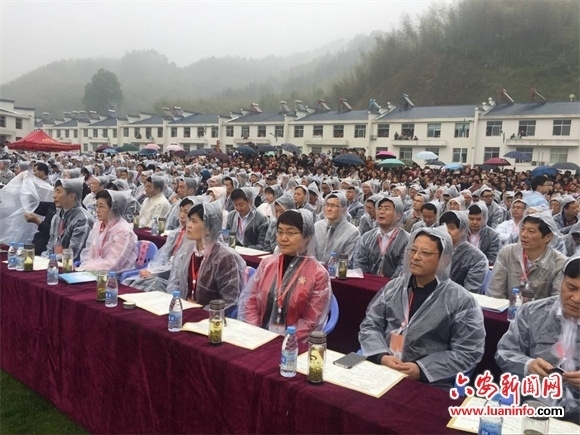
{"x": 547, "y": 131}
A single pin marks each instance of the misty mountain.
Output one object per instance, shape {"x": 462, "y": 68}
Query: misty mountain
{"x": 148, "y": 79}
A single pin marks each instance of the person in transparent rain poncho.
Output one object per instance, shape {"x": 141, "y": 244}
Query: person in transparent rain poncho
{"x": 133, "y": 206}
{"x": 369, "y": 219}
{"x": 155, "y": 277}
{"x": 508, "y": 231}
{"x": 469, "y": 265}
{"x": 285, "y": 202}
{"x": 480, "y": 235}
{"x": 533, "y": 260}
{"x": 204, "y": 268}
{"x": 334, "y": 233}
{"x": 249, "y": 224}
{"x": 422, "y": 323}
{"x": 544, "y": 335}
{"x": 23, "y": 194}
{"x": 381, "y": 250}
{"x": 112, "y": 244}
{"x": 290, "y": 287}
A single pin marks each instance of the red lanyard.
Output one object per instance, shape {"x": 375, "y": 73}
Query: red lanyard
{"x": 525, "y": 261}
{"x": 391, "y": 238}
{"x": 282, "y": 295}
{"x": 240, "y": 226}
{"x": 178, "y": 241}
{"x": 406, "y": 321}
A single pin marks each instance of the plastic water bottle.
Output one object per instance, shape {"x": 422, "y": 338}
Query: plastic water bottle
{"x": 289, "y": 353}
{"x": 332, "y": 265}
{"x": 12, "y": 259}
{"x": 515, "y": 304}
{"x": 155, "y": 228}
{"x": 111, "y": 291}
{"x": 175, "y": 312}
{"x": 491, "y": 424}
{"x": 52, "y": 271}
{"x": 20, "y": 257}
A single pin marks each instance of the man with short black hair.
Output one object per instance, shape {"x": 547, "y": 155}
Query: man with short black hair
{"x": 155, "y": 205}
{"x": 542, "y": 185}
{"x": 40, "y": 170}
{"x": 429, "y": 215}
{"x": 569, "y": 214}
{"x": 248, "y": 223}
{"x": 480, "y": 235}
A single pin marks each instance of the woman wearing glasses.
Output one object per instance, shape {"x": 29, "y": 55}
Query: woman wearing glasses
{"x": 290, "y": 287}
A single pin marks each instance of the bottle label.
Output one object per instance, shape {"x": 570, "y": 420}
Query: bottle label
{"x": 12, "y": 261}
{"x": 289, "y": 360}
{"x": 174, "y": 317}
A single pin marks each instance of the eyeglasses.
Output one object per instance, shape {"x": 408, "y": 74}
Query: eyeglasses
{"x": 384, "y": 208}
{"x": 281, "y": 233}
{"x": 485, "y": 196}
{"x": 422, "y": 254}
{"x": 331, "y": 205}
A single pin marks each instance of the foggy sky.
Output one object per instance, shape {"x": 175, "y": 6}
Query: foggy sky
{"x": 35, "y": 33}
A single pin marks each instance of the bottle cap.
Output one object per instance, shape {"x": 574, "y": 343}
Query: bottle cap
{"x": 317, "y": 337}
{"x": 112, "y": 274}
{"x": 515, "y": 290}
{"x": 343, "y": 256}
{"x": 332, "y": 253}
{"x": 291, "y": 329}
{"x": 217, "y": 304}
{"x": 21, "y": 245}
{"x": 176, "y": 293}
{"x": 52, "y": 257}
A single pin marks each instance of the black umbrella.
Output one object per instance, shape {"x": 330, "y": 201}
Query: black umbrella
{"x": 103, "y": 147}
{"x": 220, "y": 156}
{"x": 434, "y": 163}
{"x": 566, "y": 166}
{"x": 290, "y": 147}
{"x": 246, "y": 150}
{"x": 199, "y": 152}
{"x": 181, "y": 153}
{"x": 147, "y": 152}
{"x": 348, "y": 160}
{"x": 267, "y": 148}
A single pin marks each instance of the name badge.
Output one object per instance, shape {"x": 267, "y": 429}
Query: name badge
{"x": 277, "y": 328}
{"x": 397, "y": 343}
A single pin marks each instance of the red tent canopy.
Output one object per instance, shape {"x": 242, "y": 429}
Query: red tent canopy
{"x": 39, "y": 141}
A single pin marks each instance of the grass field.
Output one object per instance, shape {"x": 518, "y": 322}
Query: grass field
{"x": 22, "y": 411}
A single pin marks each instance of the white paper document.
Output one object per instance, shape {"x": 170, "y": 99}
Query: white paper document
{"x": 491, "y": 304}
{"x": 354, "y": 273}
{"x": 249, "y": 251}
{"x": 511, "y": 425}
{"x": 155, "y": 302}
{"x": 366, "y": 377}
{"x": 237, "y": 333}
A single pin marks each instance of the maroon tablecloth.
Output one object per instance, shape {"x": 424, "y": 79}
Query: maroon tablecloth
{"x": 145, "y": 234}
{"x": 354, "y": 295}
{"x": 120, "y": 371}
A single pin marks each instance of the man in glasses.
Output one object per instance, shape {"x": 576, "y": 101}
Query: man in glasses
{"x": 422, "y": 323}
{"x": 495, "y": 214}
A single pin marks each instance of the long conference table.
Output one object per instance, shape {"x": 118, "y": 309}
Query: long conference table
{"x": 354, "y": 295}
{"x": 120, "y": 371}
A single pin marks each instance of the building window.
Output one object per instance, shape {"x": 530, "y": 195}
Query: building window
{"x": 279, "y": 131}
{"x": 379, "y": 149}
{"x": 186, "y": 131}
{"x": 76, "y": 134}
{"x": 338, "y": 131}
{"x": 245, "y": 131}
{"x": 85, "y": 147}
{"x": 558, "y": 155}
{"x": 408, "y": 131}
{"x": 115, "y": 133}
{"x": 316, "y": 150}
{"x": 148, "y": 133}
{"x": 562, "y": 127}
{"x": 383, "y": 130}
{"x": 462, "y": 129}
{"x": 125, "y": 132}
{"x": 459, "y": 154}
{"x": 200, "y": 131}
{"x": 214, "y": 131}
{"x": 433, "y": 150}
{"x": 433, "y": 130}
{"x": 229, "y": 146}
{"x": 317, "y": 130}
{"x": 493, "y": 128}
{"x": 137, "y": 133}
{"x": 173, "y": 132}
{"x": 360, "y": 130}
{"x": 159, "y": 131}
{"x": 86, "y": 132}
{"x": 105, "y": 134}
{"x": 230, "y": 131}
{"x": 527, "y": 128}
{"x": 18, "y": 124}
{"x": 490, "y": 153}
{"x": 405, "y": 153}
{"x": 299, "y": 131}
{"x": 67, "y": 134}
{"x": 95, "y": 132}
{"x": 528, "y": 151}
{"x": 2, "y": 121}
{"x": 261, "y": 131}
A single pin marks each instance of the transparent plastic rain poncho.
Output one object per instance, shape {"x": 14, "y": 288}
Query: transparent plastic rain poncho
{"x": 6, "y": 174}
{"x": 76, "y": 222}
{"x": 286, "y": 201}
{"x": 112, "y": 247}
{"x": 313, "y": 188}
{"x": 339, "y": 237}
{"x": 572, "y": 248}
{"x": 469, "y": 265}
{"x": 172, "y": 218}
{"x": 22, "y": 194}
{"x": 495, "y": 213}
{"x": 366, "y": 222}
{"x": 220, "y": 194}
{"x": 256, "y": 225}
{"x": 368, "y": 255}
{"x": 508, "y": 231}
{"x": 356, "y": 209}
{"x": 489, "y": 242}
{"x": 445, "y": 336}
{"x": 133, "y": 206}
{"x": 156, "y": 206}
{"x": 459, "y": 200}
{"x": 510, "y": 270}
{"x": 220, "y": 274}
{"x": 559, "y": 218}
{"x": 541, "y": 331}
{"x": 301, "y": 297}
{"x": 229, "y": 205}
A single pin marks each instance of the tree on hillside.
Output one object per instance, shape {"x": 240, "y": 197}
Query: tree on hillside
{"x": 103, "y": 92}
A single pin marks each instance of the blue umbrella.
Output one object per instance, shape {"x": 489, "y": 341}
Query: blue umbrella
{"x": 110, "y": 151}
{"x": 267, "y": 148}
{"x": 453, "y": 166}
{"x": 147, "y": 152}
{"x": 348, "y": 160}
{"x": 518, "y": 155}
{"x": 246, "y": 150}
{"x": 290, "y": 147}
{"x": 544, "y": 170}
